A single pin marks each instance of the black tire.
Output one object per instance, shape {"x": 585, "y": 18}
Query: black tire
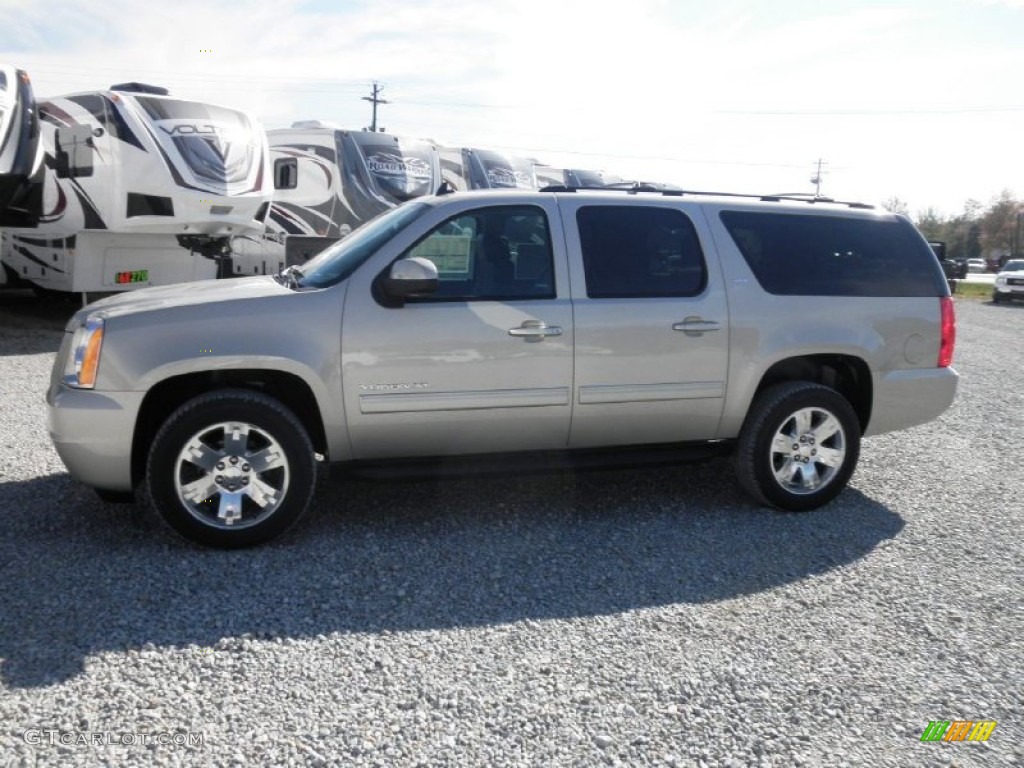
{"x": 269, "y": 430}
{"x": 996, "y": 298}
{"x": 772, "y": 414}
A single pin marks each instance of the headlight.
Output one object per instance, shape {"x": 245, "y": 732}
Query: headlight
{"x": 84, "y": 360}
{"x": 1000, "y": 281}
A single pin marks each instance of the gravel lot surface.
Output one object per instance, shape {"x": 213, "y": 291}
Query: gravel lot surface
{"x": 629, "y": 617}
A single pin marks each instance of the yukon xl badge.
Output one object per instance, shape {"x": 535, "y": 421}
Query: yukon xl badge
{"x": 401, "y": 386}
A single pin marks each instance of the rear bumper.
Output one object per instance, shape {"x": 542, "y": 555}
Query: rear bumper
{"x": 907, "y": 398}
{"x": 92, "y": 432}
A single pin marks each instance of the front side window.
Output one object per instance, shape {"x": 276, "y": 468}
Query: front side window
{"x": 499, "y": 253}
{"x": 636, "y": 251}
{"x": 807, "y": 255}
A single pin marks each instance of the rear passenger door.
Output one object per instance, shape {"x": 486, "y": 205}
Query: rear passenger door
{"x": 651, "y": 322}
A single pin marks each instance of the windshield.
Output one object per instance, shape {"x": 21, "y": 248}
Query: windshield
{"x": 339, "y": 260}
{"x": 1017, "y": 265}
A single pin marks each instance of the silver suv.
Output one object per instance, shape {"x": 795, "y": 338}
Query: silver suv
{"x": 552, "y": 324}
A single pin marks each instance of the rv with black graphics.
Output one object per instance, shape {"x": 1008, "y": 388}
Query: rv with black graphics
{"x": 329, "y": 181}
{"x": 578, "y": 178}
{"x": 21, "y": 152}
{"x": 138, "y": 188}
{"x": 464, "y": 168}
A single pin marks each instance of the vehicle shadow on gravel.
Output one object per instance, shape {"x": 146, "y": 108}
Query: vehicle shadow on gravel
{"x": 31, "y": 324}
{"x": 81, "y": 578}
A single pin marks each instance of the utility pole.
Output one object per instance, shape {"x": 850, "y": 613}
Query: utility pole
{"x": 1018, "y": 245}
{"x": 375, "y": 100}
{"x": 816, "y": 178}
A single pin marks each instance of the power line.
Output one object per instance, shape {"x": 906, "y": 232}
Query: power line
{"x": 871, "y": 112}
{"x": 620, "y": 156}
{"x": 80, "y": 71}
{"x": 331, "y": 85}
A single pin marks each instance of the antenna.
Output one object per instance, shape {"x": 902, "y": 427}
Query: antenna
{"x": 375, "y": 100}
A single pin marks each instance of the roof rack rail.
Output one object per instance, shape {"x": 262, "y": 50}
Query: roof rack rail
{"x": 799, "y": 197}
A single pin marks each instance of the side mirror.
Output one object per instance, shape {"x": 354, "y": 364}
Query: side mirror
{"x": 411, "y": 277}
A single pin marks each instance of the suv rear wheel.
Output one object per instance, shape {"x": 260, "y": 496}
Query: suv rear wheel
{"x": 231, "y": 468}
{"x": 798, "y": 447}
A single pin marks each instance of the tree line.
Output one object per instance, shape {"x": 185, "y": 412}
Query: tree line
{"x": 994, "y": 231}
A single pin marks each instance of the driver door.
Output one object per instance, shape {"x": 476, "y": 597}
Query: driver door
{"x": 483, "y": 364}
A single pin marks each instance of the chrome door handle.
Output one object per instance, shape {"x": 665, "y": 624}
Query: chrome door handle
{"x": 695, "y": 326}
{"x": 535, "y": 330}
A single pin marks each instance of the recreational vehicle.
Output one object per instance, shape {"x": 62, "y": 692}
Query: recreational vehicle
{"x": 579, "y": 178}
{"x": 327, "y": 182}
{"x": 139, "y": 189}
{"x": 21, "y": 152}
{"x": 465, "y": 168}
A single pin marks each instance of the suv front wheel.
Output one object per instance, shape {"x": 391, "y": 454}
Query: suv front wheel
{"x": 798, "y": 447}
{"x": 231, "y": 468}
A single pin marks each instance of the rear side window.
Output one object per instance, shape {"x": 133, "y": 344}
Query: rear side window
{"x": 636, "y": 251}
{"x": 799, "y": 255}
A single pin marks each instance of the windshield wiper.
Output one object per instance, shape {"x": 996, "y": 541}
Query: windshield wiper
{"x": 290, "y": 276}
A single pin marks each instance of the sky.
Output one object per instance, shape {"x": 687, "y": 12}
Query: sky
{"x": 921, "y": 100}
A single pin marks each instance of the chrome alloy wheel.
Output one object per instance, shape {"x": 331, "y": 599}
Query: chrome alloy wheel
{"x": 231, "y": 475}
{"x": 808, "y": 450}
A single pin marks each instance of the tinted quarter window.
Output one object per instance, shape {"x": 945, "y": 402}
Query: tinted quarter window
{"x": 801, "y": 255}
{"x": 636, "y": 251}
{"x": 498, "y": 253}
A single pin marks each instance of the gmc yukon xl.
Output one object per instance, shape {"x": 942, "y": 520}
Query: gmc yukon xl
{"x": 566, "y": 322}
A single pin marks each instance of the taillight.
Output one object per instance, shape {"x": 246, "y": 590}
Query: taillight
{"x": 948, "y": 332}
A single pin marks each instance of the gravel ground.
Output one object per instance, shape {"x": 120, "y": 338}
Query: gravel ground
{"x": 630, "y": 617}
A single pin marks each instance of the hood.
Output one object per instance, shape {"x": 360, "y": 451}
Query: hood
{"x": 182, "y": 295}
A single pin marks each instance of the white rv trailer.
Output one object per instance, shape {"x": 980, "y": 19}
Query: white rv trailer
{"x": 328, "y": 181}
{"x": 464, "y": 168}
{"x": 139, "y": 189}
{"x": 21, "y": 151}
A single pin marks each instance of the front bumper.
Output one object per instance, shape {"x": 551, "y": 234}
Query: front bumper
{"x": 907, "y": 398}
{"x": 1009, "y": 291}
{"x": 92, "y": 432}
